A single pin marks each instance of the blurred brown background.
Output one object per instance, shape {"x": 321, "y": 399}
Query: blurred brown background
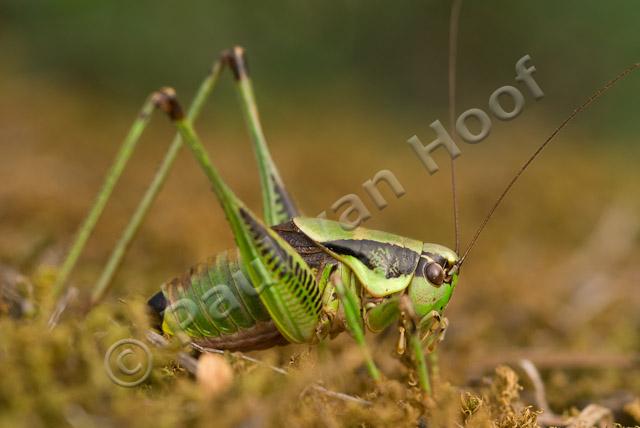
{"x": 341, "y": 87}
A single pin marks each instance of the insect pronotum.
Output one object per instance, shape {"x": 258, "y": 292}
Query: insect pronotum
{"x": 292, "y": 279}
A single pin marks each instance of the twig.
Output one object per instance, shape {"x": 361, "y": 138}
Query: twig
{"x": 185, "y": 360}
{"x": 592, "y": 415}
{"x": 530, "y": 361}
{"x": 61, "y": 305}
{"x": 548, "y": 417}
{"x": 191, "y": 364}
{"x": 554, "y": 359}
{"x": 315, "y": 386}
{"x": 538, "y": 386}
{"x": 241, "y": 355}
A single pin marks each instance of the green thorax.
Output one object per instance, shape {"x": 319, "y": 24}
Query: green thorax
{"x": 384, "y": 263}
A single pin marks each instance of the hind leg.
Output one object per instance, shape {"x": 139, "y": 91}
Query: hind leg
{"x": 277, "y": 204}
{"x": 285, "y": 284}
{"x": 126, "y": 150}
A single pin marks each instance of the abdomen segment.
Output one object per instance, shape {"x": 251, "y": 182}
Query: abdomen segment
{"x": 217, "y": 306}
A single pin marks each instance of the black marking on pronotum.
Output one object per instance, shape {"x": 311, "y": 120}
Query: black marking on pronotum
{"x": 283, "y": 199}
{"x": 284, "y": 265}
{"x": 393, "y": 259}
{"x": 234, "y": 57}
{"x": 437, "y": 258}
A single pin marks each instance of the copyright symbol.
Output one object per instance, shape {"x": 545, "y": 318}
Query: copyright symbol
{"x": 128, "y": 362}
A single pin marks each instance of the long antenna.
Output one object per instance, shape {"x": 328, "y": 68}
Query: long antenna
{"x": 582, "y": 107}
{"x": 453, "y": 53}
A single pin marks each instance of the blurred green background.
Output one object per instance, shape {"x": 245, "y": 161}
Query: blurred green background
{"x": 387, "y": 58}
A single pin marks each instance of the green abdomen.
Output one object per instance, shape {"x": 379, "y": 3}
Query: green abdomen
{"x": 216, "y": 305}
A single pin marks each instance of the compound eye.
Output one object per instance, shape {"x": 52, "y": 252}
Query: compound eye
{"x": 434, "y": 273}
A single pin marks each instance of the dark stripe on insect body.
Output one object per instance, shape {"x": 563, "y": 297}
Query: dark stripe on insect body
{"x": 393, "y": 260}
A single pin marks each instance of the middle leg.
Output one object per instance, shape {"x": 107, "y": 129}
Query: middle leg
{"x": 348, "y": 298}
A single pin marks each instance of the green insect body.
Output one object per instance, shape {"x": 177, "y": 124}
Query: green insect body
{"x": 296, "y": 279}
{"x": 196, "y": 304}
{"x": 219, "y": 307}
{"x": 292, "y": 279}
